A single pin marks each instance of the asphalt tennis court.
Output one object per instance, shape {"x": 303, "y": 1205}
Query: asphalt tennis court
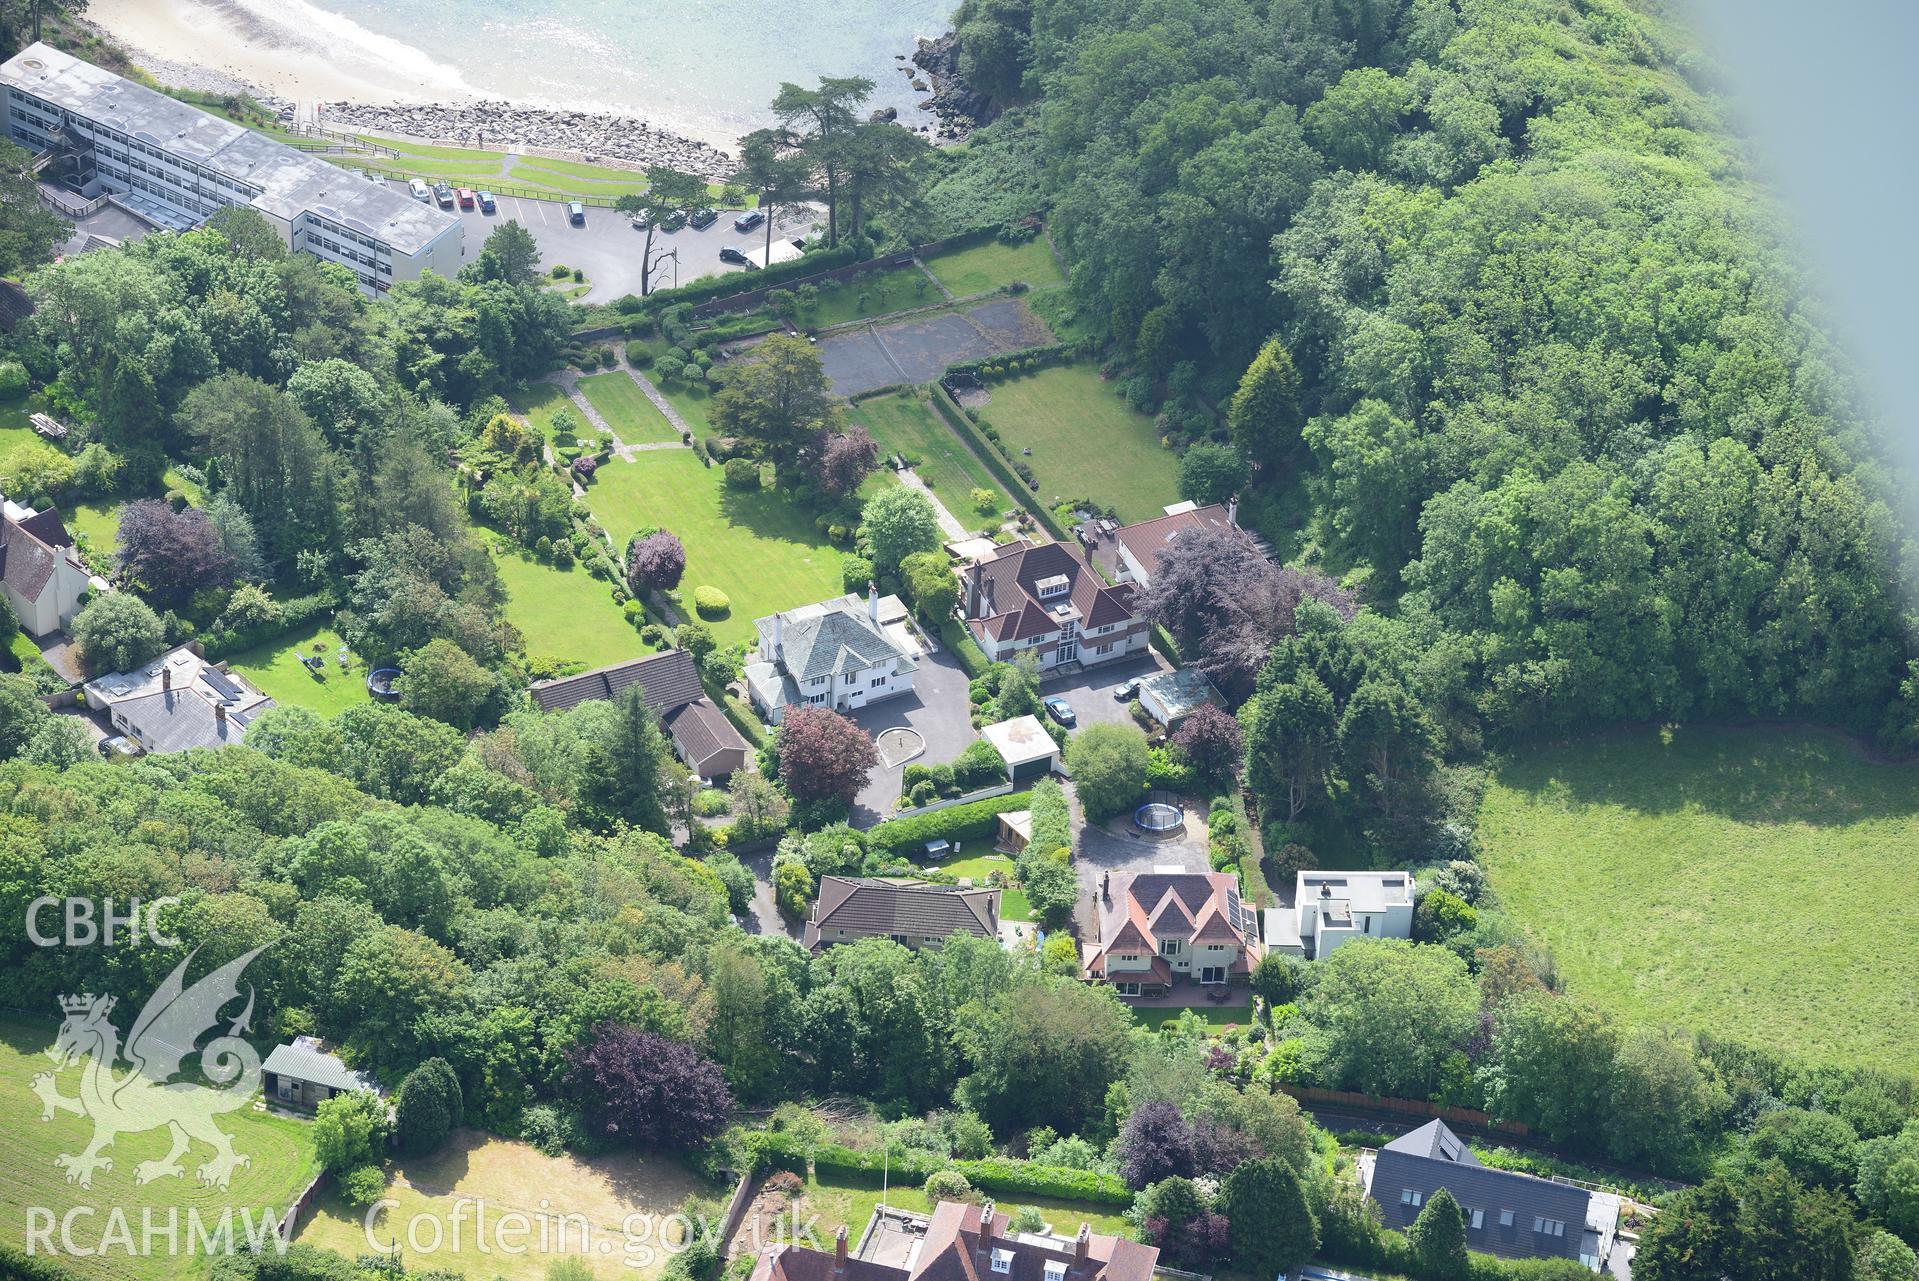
{"x": 919, "y": 349}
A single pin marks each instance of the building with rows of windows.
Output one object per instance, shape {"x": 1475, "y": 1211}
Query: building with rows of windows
{"x": 172, "y": 165}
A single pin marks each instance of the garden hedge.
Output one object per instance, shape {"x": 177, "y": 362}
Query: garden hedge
{"x": 995, "y": 461}
{"x": 743, "y": 282}
{"x": 294, "y": 614}
{"x": 781, "y": 1151}
{"x": 965, "y": 822}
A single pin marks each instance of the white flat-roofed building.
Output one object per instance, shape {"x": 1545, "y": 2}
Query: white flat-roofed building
{"x": 173, "y": 165}
{"x": 1330, "y": 908}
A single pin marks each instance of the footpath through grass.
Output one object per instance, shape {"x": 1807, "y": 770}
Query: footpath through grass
{"x": 1086, "y": 441}
{"x": 279, "y": 1152}
{"x": 994, "y": 265}
{"x": 758, "y": 548}
{"x": 634, "y": 419}
{"x": 903, "y": 424}
{"x": 1752, "y": 883}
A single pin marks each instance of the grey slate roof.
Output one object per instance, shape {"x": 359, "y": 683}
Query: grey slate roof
{"x": 178, "y": 719}
{"x": 670, "y": 681}
{"x": 26, "y": 562}
{"x": 836, "y": 642}
{"x": 317, "y": 1067}
{"x": 868, "y": 906}
{"x": 1433, "y": 1157}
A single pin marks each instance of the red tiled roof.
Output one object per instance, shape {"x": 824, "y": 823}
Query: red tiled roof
{"x": 1149, "y": 539}
{"x": 1198, "y": 907}
{"x": 959, "y": 1246}
{"x": 1003, "y": 600}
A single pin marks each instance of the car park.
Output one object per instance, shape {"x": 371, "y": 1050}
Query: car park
{"x": 704, "y": 218}
{"x": 748, "y": 220}
{"x": 418, "y": 191}
{"x": 1062, "y": 711}
{"x": 465, "y": 195}
{"x": 576, "y": 213}
{"x": 486, "y": 202}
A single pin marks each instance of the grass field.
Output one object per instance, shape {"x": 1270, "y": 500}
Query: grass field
{"x": 1086, "y": 441}
{"x": 756, "y": 547}
{"x": 839, "y": 1200}
{"x": 902, "y": 424}
{"x": 275, "y": 669}
{"x": 635, "y": 419}
{"x": 1217, "y": 1017}
{"x": 563, "y": 613}
{"x": 1012, "y": 902}
{"x": 505, "y": 1178}
{"x": 994, "y": 265}
{"x": 15, "y": 430}
{"x": 884, "y": 292}
{"x": 279, "y": 1153}
{"x": 1749, "y": 883}
{"x": 98, "y": 519}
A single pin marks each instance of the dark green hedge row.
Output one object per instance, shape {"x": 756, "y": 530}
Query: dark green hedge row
{"x": 294, "y": 614}
{"x": 989, "y": 454}
{"x": 996, "y": 1174}
{"x": 966, "y": 822}
{"x": 740, "y": 282}
{"x": 1050, "y": 354}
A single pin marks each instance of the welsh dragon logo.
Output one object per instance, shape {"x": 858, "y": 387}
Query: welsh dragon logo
{"x": 147, "y": 1097}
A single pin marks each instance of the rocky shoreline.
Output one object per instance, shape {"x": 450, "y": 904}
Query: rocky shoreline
{"x": 497, "y": 125}
{"x": 960, "y": 108}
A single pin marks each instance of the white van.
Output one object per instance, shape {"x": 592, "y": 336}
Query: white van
{"x": 418, "y": 190}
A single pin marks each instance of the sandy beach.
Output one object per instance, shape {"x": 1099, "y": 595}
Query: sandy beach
{"x": 289, "y": 49}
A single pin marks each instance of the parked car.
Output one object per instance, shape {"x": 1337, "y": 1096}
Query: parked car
{"x": 641, "y": 222}
{"x": 748, "y": 220}
{"x": 118, "y": 748}
{"x": 1062, "y": 711}
{"x": 418, "y": 191}
{"x": 733, "y": 255}
{"x": 673, "y": 221}
{"x": 704, "y": 218}
{"x": 576, "y": 213}
{"x": 465, "y": 195}
{"x": 1126, "y": 691}
{"x": 487, "y": 204}
{"x": 443, "y": 192}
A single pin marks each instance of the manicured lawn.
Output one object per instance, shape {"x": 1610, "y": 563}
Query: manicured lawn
{"x": 994, "y": 265}
{"x": 693, "y": 401}
{"x": 903, "y": 424}
{"x": 1218, "y": 1017}
{"x": 760, "y": 550}
{"x": 563, "y": 613}
{"x": 572, "y": 1207}
{"x": 884, "y": 291}
{"x": 1012, "y": 902}
{"x": 98, "y": 519}
{"x": 539, "y": 402}
{"x": 1086, "y": 441}
{"x": 275, "y": 668}
{"x": 15, "y": 430}
{"x": 279, "y": 1153}
{"x": 838, "y": 1200}
{"x": 1753, "y": 884}
{"x": 634, "y": 418}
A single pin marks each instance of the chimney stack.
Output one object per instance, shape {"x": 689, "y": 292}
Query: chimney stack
{"x": 986, "y": 1223}
{"x": 839, "y": 1249}
{"x": 1232, "y": 511}
{"x": 873, "y": 602}
{"x": 1082, "y": 1244}
{"x": 166, "y": 678}
{"x": 779, "y": 636}
{"x": 220, "y": 714}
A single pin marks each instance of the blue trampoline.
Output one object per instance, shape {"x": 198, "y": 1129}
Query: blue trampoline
{"x": 1159, "y": 816}
{"x": 380, "y": 684}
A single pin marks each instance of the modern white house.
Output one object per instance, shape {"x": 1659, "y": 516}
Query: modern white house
{"x": 171, "y": 165}
{"x": 843, "y": 654}
{"x": 1330, "y": 908}
{"x": 41, "y": 575}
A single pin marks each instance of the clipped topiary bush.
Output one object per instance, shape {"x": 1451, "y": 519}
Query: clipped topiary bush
{"x": 711, "y": 602}
{"x": 742, "y": 473}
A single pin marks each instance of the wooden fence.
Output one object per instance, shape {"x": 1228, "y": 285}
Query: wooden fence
{"x": 290, "y": 1222}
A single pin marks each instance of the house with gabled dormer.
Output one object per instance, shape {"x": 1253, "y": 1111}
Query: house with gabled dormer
{"x": 1161, "y": 929}
{"x": 1043, "y": 599}
{"x": 840, "y": 654}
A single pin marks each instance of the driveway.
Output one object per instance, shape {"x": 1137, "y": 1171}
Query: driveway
{"x": 937, "y": 709}
{"x": 608, "y": 249}
{"x": 763, "y": 914}
{"x": 1090, "y": 692}
{"x": 1118, "y": 847}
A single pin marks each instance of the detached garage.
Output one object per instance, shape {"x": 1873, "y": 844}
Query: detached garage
{"x": 1025, "y": 747}
{"x": 303, "y": 1075}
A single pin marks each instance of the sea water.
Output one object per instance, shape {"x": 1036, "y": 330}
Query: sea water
{"x": 704, "y": 68}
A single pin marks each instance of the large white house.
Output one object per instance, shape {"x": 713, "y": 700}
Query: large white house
{"x": 1330, "y": 908}
{"x": 177, "y": 702}
{"x": 41, "y": 575}
{"x": 172, "y": 165}
{"x": 842, "y": 653}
